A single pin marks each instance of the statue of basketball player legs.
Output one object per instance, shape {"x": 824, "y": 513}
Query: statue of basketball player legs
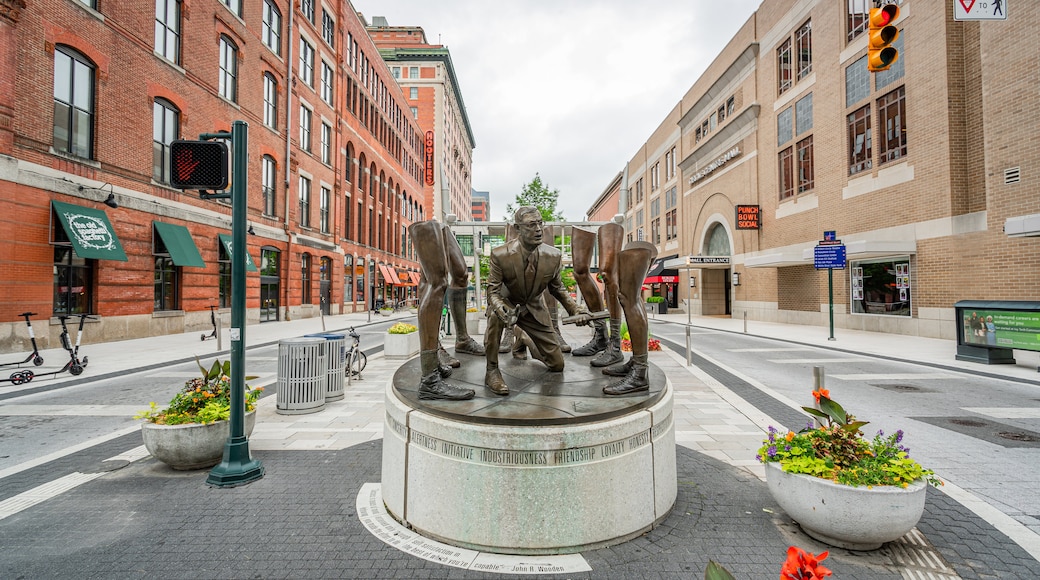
{"x": 633, "y": 263}
{"x": 430, "y": 240}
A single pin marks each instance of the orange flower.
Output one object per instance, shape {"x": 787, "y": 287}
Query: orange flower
{"x": 802, "y": 565}
{"x": 821, "y": 393}
{"x": 790, "y": 435}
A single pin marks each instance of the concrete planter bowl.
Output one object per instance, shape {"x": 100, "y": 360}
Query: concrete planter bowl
{"x": 854, "y": 518}
{"x": 401, "y": 346}
{"x": 190, "y": 446}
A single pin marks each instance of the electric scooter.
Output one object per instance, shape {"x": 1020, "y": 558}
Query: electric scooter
{"x": 34, "y": 356}
{"x": 73, "y": 367}
{"x": 213, "y": 320}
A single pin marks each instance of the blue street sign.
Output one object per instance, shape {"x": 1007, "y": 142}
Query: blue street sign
{"x": 829, "y": 257}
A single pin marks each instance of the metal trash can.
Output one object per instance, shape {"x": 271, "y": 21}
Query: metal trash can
{"x": 336, "y": 357}
{"x": 302, "y": 368}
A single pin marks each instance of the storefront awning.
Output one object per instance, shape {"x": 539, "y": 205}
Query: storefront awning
{"x": 388, "y": 277}
{"x": 404, "y": 278}
{"x": 659, "y": 274}
{"x": 90, "y": 232}
{"x": 226, "y": 240}
{"x": 179, "y": 245}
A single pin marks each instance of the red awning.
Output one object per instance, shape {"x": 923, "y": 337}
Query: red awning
{"x": 387, "y": 276}
{"x": 415, "y": 277}
{"x": 661, "y": 280}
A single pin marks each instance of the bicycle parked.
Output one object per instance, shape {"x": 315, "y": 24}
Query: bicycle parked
{"x": 356, "y": 358}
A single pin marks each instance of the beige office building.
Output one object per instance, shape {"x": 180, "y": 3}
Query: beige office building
{"x": 927, "y": 173}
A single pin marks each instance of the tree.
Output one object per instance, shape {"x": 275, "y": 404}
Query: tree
{"x": 539, "y": 195}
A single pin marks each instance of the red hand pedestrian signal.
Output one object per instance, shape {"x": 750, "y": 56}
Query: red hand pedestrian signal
{"x": 199, "y": 165}
{"x": 880, "y": 52}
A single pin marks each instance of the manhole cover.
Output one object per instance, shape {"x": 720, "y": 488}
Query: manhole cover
{"x": 968, "y": 423}
{"x": 1016, "y": 436}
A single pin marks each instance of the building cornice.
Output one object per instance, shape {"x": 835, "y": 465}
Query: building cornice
{"x": 430, "y": 54}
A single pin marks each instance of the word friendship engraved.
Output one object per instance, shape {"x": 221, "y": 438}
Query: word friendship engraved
{"x": 529, "y": 458}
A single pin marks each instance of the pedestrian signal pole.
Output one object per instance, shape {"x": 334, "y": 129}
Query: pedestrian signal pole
{"x": 203, "y": 165}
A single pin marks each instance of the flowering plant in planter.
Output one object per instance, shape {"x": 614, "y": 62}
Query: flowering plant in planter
{"x": 626, "y": 343}
{"x": 402, "y": 328}
{"x": 836, "y": 450}
{"x": 203, "y": 399}
{"x": 800, "y": 565}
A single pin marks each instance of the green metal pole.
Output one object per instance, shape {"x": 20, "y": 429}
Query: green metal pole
{"x": 830, "y": 298}
{"x": 237, "y": 467}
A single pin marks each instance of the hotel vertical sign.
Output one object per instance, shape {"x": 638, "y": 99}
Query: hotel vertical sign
{"x": 428, "y": 158}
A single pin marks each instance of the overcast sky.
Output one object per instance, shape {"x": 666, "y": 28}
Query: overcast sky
{"x": 569, "y": 89}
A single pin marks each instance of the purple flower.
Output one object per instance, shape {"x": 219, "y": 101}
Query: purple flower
{"x": 899, "y": 436}
{"x": 880, "y": 433}
{"x": 771, "y": 451}
{"x": 758, "y": 458}
{"x": 787, "y": 447}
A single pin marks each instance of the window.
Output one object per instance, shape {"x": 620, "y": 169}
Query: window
{"x": 271, "y": 30}
{"x": 235, "y": 6}
{"x": 859, "y": 140}
{"x": 803, "y": 44}
{"x": 165, "y": 279}
{"x": 346, "y": 218}
{"x": 270, "y": 101}
{"x": 895, "y": 72}
{"x": 165, "y": 128}
{"x": 655, "y": 208}
{"x": 305, "y": 202}
{"x": 359, "y": 217}
{"x": 306, "y": 63}
{"x": 803, "y": 111}
{"x": 721, "y": 113}
{"x": 786, "y": 177}
{"x": 396, "y": 72}
{"x": 655, "y": 231}
{"x": 413, "y": 72}
{"x": 73, "y": 103}
{"x": 307, "y": 8}
{"x": 305, "y": 128}
{"x": 671, "y": 225}
{"x": 858, "y": 18}
{"x": 328, "y": 28}
{"x": 348, "y": 278}
{"x": 670, "y": 198}
{"x": 639, "y": 192}
{"x": 328, "y": 81}
{"x": 168, "y": 29}
{"x": 881, "y": 286}
{"x": 857, "y": 82}
{"x": 228, "y": 69}
{"x": 224, "y": 274}
{"x": 730, "y": 106}
{"x": 783, "y": 126}
{"x": 415, "y": 112}
{"x": 655, "y": 177}
{"x": 305, "y": 279}
{"x": 669, "y": 164}
{"x": 804, "y": 153}
{"x": 413, "y": 93}
{"x": 73, "y": 279}
{"x": 323, "y": 210}
{"x": 892, "y": 117}
{"x": 326, "y": 143}
{"x": 783, "y": 67}
{"x": 267, "y": 183}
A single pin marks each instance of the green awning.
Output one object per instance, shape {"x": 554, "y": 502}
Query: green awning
{"x": 226, "y": 240}
{"x": 90, "y": 232}
{"x": 179, "y": 244}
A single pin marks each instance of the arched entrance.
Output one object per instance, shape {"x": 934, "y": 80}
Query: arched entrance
{"x": 715, "y": 282}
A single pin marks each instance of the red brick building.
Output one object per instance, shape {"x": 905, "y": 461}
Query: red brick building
{"x": 91, "y": 97}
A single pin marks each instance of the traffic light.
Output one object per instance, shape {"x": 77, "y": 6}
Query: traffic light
{"x": 199, "y": 165}
{"x": 880, "y": 52}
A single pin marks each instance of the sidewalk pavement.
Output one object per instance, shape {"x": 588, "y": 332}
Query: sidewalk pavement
{"x": 301, "y": 520}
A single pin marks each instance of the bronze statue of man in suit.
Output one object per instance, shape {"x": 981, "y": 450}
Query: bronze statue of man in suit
{"x": 520, "y": 271}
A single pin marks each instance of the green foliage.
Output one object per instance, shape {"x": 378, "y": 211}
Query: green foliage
{"x": 715, "y": 571}
{"x": 538, "y": 195}
{"x": 655, "y": 299}
{"x": 568, "y": 279}
{"x": 203, "y": 399}
{"x": 836, "y": 450}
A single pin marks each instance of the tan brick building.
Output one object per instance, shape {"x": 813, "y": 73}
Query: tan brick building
{"x": 93, "y": 93}
{"x": 918, "y": 170}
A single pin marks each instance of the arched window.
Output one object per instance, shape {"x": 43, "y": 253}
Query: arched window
{"x": 348, "y": 169}
{"x": 270, "y": 101}
{"x": 267, "y": 184}
{"x": 718, "y": 241}
{"x": 73, "y": 103}
{"x": 228, "y": 82}
{"x": 165, "y": 129}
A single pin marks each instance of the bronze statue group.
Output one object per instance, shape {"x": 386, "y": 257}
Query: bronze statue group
{"x": 523, "y": 289}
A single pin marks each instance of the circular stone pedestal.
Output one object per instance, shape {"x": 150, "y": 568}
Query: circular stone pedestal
{"x": 556, "y": 467}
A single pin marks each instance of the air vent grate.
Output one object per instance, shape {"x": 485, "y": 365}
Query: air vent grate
{"x": 1012, "y": 175}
